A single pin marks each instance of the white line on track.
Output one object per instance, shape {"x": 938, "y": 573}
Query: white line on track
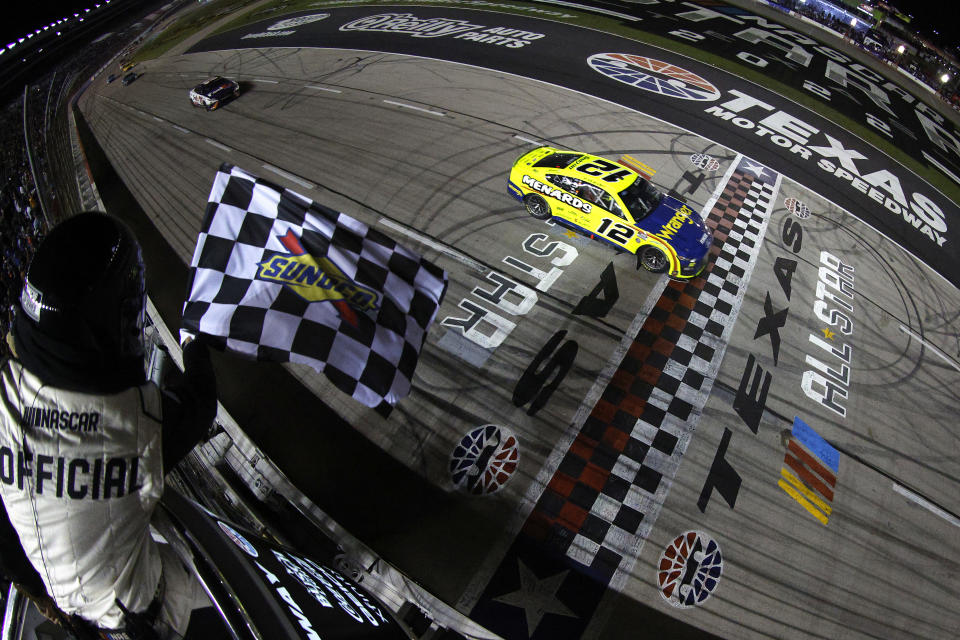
{"x": 289, "y": 176}
{"x": 433, "y": 244}
{"x": 218, "y": 145}
{"x": 942, "y": 355}
{"x": 267, "y": 81}
{"x": 528, "y": 140}
{"x": 329, "y": 89}
{"x": 926, "y": 504}
{"x": 415, "y": 108}
{"x": 593, "y": 9}
{"x": 180, "y": 129}
{"x": 158, "y": 119}
{"x": 929, "y": 158}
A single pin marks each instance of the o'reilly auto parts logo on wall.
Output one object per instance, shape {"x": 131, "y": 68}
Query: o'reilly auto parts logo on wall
{"x": 874, "y": 185}
{"x": 416, "y": 27}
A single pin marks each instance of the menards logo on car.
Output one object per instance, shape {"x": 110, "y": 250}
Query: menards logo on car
{"x": 553, "y": 192}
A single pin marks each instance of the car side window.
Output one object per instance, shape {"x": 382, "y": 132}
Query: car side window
{"x": 589, "y": 192}
{"x": 564, "y": 182}
{"x": 608, "y": 203}
{"x": 583, "y": 190}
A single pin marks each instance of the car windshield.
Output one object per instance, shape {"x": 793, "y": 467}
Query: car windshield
{"x": 558, "y": 160}
{"x": 210, "y": 85}
{"x": 640, "y": 198}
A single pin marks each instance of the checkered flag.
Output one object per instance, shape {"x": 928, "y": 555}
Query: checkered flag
{"x": 278, "y": 277}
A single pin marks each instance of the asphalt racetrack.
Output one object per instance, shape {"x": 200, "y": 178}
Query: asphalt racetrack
{"x": 588, "y": 450}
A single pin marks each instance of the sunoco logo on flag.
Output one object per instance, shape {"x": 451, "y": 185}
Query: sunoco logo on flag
{"x": 317, "y": 279}
{"x": 278, "y": 277}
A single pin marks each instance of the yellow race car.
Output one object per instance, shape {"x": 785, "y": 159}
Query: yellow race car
{"x": 614, "y": 203}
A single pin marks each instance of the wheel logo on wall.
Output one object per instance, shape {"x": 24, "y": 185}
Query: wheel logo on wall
{"x": 797, "y": 208}
{"x": 705, "y": 162}
{"x": 689, "y": 569}
{"x": 484, "y": 460}
{"x": 653, "y": 75}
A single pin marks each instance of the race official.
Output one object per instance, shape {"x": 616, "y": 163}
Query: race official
{"x": 86, "y": 439}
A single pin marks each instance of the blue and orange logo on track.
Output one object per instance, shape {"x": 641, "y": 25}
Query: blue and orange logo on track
{"x": 654, "y": 75}
{"x": 317, "y": 279}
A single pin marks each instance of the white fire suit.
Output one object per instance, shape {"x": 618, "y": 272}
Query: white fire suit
{"x": 80, "y": 476}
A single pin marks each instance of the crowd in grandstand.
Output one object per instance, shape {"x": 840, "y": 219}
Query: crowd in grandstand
{"x": 824, "y": 14}
{"x": 927, "y": 63}
{"x": 21, "y": 219}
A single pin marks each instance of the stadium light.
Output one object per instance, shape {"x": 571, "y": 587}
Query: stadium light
{"x": 901, "y": 49}
{"x": 944, "y": 78}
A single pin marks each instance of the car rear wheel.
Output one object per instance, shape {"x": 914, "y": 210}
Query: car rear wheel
{"x": 653, "y": 260}
{"x": 536, "y": 206}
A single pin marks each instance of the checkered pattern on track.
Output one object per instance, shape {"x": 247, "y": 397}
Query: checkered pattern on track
{"x": 603, "y": 499}
{"x": 608, "y": 490}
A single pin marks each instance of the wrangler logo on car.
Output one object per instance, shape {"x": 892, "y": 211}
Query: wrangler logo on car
{"x": 674, "y": 224}
{"x": 558, "y": 194}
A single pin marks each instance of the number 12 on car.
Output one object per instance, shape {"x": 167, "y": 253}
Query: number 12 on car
{"x": 598, "y": 168}
{"x": 616, "y": 232}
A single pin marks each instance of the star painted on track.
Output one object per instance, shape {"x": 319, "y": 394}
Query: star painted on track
{"x": 828, "y": 334}
{"x": 537, "y": 597}
{"x": 755, "y": 168}
{"x": 570, "y": 234}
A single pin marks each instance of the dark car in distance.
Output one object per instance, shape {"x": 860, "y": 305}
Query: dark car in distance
{"x": 214, "y": 92}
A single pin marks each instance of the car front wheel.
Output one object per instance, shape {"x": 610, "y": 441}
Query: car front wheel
{"x": 536, "y": 206}
{"x": 213, "y": 106}
{"x": 653, "y": 260}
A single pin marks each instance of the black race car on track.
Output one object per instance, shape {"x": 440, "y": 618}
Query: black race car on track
{"x": 214, "y": 92}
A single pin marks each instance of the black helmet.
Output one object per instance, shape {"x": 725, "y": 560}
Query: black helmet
{"x": 85, "y": 287}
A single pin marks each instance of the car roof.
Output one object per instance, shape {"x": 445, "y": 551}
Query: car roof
{"x": 557, "y": 160}
{"x": 570, "y": 160}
